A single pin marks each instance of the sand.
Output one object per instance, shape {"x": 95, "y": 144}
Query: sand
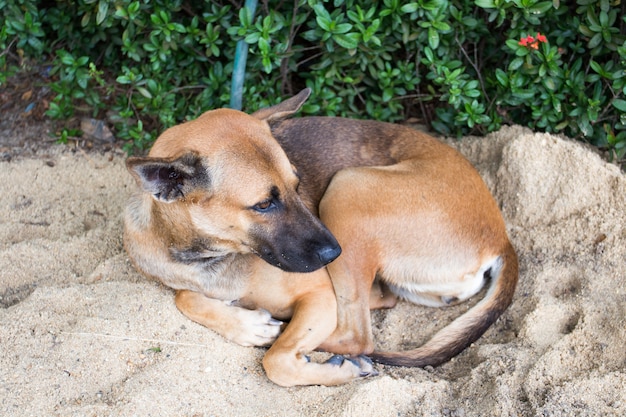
{"x": 83, "y": 334}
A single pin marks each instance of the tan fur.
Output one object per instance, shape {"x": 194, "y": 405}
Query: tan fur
{"x": 218, "y": 218}
{"x": 429, "y": 228}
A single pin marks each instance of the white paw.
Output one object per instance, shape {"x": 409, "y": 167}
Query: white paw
{"x": 257, "y": 328}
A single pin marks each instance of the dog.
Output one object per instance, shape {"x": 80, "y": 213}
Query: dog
{"x": 256, "y": 220}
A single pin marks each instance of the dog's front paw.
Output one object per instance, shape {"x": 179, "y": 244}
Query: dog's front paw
{"x": 256, "y": 328}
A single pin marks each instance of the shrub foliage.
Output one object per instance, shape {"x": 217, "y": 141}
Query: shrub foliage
{"x": 461, "y": 66}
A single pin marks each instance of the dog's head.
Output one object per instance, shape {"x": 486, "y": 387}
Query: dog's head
{"x": 226, "y": 176}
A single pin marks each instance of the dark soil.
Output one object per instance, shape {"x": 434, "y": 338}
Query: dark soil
{"x": 25, "y": 130}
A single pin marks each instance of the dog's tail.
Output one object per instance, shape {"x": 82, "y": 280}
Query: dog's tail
{"x": 454, "y": 338}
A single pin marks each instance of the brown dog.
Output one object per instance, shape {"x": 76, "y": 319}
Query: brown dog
{"x": 222, "y": 217}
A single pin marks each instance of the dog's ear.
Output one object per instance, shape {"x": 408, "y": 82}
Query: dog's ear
{"x": 169, "y": 179}
{"x": 284, "y": 109}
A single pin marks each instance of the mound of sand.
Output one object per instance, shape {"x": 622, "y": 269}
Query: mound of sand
{"x": 84, "y": 334}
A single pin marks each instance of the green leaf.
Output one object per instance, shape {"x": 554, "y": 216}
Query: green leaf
{"x": 516, "y": 64}
{"x": 267, "y": 64}
{"x": 264, "y": 46}
{"x": 348, "y": 40}
{"x": 604, "y": 19}
{"x": 586, "y": 31}
{"x": 155, "y": 19}
{"x": 502, "y": 77}
{"x": 409, "y": 8}
{"x": 429, "y": 55}
{"x": 54, "y": 110}
{"x": 84, "y": 22}
{"x": 342, "y": 28}
{"x": 585, "y": 127}
{"x": 561, "y": 125}
{"x": 152, "y": 85}
{"x": 540, "y": 8}
{"x": 472, "y": 93}
{"x": 67, "y": 58}
{"x": 549, "y": 83}
{"x": 82, "y": 82}
{"x": 121, "y": 13}
{"x": 471, "y": 85}
{"x": 433, "y": 37}
{"x": 252, "y": 38}
{"x": 103, "y": 9}
{"x": 441, "y": 26}
{"x": 179, "y": 28}
{"x": 134, "y": 7}
{"x": 597, "y": 68}
{"x": 595, "y": 41}
{"x": 542, "y": 71}
{"x": 387, "y": 94}
{"x": 144, "y": 92}
{"x": 593, "y": 19}
{"x": 16, "y": 25}
{"x": 619, "y": 104}
{"x": 36, "y": 44}
{"x": 486, "y": 4}
{"x": 513, "y": 44}
{"x": 524, "y": 94}
{"x": 323, "y": 22}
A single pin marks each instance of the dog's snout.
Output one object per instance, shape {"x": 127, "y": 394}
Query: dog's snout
{"x": 329, "y": 253}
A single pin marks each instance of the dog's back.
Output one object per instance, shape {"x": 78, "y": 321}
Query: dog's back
{"x": 319, "y": 147}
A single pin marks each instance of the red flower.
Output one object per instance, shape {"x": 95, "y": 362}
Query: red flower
{"x": 526, "y": 41}
{"x": 531, "y": 42}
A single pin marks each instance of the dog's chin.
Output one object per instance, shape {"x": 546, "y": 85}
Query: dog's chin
{"x": 298, "y": 264}
{"x": 288, "y": 265}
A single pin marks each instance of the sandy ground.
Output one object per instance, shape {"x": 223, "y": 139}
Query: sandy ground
{"x": 83, "y": 334}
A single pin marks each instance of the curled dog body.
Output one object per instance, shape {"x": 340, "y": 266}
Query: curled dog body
{"x": 246, "y": 216}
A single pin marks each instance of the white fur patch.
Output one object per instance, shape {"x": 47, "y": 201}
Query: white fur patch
{"x": 432, "y": 293}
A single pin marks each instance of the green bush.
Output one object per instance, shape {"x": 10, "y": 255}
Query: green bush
{"x": 462, "y": 67}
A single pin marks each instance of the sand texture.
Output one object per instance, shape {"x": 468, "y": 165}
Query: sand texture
{"x": 83, "y": 334}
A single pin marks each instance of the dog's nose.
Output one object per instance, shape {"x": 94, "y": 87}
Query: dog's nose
{"x": 329, "y": 253}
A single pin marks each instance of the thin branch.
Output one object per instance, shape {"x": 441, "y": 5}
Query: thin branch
{"x": 312, "y": 57}
{"x": 286, "y": 87}
{"x": 8, "y": 48}
{"x": 187, "y": 87}
{"x": 480, "y": 78}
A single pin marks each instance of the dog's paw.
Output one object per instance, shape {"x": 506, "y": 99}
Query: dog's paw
{"x": 364, "y": 365}
{"x": 256, "y": 328}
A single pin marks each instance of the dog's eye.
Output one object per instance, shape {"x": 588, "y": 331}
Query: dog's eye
{"x": 264, "y": 206}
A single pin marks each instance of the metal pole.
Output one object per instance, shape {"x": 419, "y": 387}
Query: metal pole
{"x": 239, "y": 70}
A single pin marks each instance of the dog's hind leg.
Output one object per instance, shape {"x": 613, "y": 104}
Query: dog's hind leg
{"x": 286, "y": 362}
{"x": 381, "y": 296}
{"x": 240, "y": 325}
